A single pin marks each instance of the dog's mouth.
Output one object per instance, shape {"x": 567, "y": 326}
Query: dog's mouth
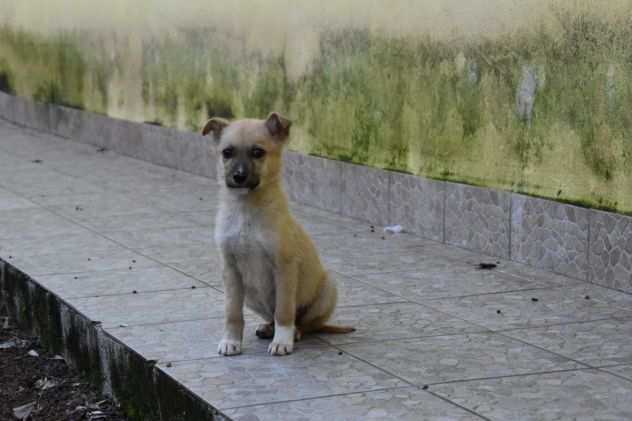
{"x": 242, "y": 187}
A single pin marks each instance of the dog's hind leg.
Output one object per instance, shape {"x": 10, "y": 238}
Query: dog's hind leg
{"x": 265, "y": 330}
{"x": 315, "y": 318}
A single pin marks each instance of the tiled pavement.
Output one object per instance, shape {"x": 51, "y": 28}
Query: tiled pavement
{"x": 130, "y": 244}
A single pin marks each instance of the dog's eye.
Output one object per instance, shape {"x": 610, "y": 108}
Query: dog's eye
{"x": 257, "y": 153}
{"x": 228, "y": 153}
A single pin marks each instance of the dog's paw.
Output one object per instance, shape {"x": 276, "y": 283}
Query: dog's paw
{"x": 265, "y": 331}
{"x": 277, "y": 348}
{"x": 228, "y": 347}
{"x": 283, "y": 342}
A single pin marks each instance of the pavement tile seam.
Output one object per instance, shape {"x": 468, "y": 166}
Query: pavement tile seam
{"x": 139, "y": 293}
{"x": 405, "y": 338}
{"x": 351, "y": 394}
{"x": 508, "y": 376}
{"x": 384, "y": 389}
{"x": 545, "y": 349}
{"x": 605, "y": 370}
{"x": 105, "y": 236}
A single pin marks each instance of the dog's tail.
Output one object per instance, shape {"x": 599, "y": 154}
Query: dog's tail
{"x": 335, "y": 329}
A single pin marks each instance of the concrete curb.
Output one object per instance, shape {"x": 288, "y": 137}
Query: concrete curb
{"x": 144, "y": 391}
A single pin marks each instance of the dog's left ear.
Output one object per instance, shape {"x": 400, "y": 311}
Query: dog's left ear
{"x": 278, "y": 126}
{"x": 215, "y": 126}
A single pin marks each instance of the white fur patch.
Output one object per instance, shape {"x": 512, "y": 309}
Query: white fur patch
{"x": 229, "y": 347}
{"x": 283, "y": 342}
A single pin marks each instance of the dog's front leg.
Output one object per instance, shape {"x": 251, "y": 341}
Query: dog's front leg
{"x": 233, "y": 311}
{"x": 285, "y": 309}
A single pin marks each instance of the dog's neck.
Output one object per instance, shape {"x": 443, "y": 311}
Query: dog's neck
{"x": 270, "y": 195}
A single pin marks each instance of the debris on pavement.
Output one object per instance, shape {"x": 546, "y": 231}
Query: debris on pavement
{"x": 33, "y": 353}
{"x": 23, "y": 412}
{"x": 394, "y": 229}
{"x": 487, "y": 266}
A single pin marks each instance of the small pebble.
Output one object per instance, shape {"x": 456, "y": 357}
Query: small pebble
{"x": 425, "y": 387}
{"x": 193, "y": 287}
{"x": 75, "y": 277}
{"x": 130, "y": 268}
{"x": 89, "y": 259}
{"x": 134, "y": 292}
{"x": 498, "y": 311}
{"x": 486, "y": 266}
{"x": 535, "y": 299}
{"x": 10, "y": 257}
{"x": 133, "y": 261}
{"x": 587, "y": 297}
{"x": 383, "y": 238}
{"x": 201, "y": 198}
{"x": 340, "y": 353}
{"x": 169, "y": 365}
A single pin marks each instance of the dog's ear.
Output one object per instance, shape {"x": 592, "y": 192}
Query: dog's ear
{"x": 215, "y": 126}
{"x": 278, "y": 126}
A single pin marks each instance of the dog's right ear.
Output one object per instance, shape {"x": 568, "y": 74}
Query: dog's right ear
{"x": 215, "y": 126}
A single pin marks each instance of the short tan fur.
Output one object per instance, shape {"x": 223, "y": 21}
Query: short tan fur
{"x": 270, "y": 264}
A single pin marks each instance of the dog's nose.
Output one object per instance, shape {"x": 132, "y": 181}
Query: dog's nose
{"x": 239, "y": 177}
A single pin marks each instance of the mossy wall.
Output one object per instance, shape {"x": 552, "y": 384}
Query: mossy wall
{"x": 532, "y": 96}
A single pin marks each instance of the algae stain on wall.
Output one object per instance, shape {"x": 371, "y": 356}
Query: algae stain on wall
{"x": 541, "y": 108}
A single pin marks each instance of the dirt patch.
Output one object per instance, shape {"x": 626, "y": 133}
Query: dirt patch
{"x": 41, "y": 386}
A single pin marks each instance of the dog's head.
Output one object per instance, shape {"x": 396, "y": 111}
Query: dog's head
{"x": 249, "y": 151}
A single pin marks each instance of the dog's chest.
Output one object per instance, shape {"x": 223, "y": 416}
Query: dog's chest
{"x": 251, "y": 248}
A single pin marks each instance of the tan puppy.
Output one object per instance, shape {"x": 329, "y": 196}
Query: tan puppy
{"x": 270, "y": 263}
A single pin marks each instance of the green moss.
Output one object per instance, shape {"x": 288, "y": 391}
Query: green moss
{"x": 442, "y": 109}
{"x": 6, "y": 78}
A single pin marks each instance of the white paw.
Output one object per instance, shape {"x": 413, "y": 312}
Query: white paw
{"x": 283, "y": 342}
{"x": 276, "y": 348}
{"x": 229, "y": 347}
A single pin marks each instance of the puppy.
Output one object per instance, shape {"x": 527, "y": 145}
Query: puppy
{"x": 269, "y": 262}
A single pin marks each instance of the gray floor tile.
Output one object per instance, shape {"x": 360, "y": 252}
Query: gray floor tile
{"x": 34, "y": 222}
{"x": 152, "y": 307}
{"x": 369, "y": 242}
{"x": 448, "y": 281}
{"x": 361, "y": 261}
{"x": 597, "y": 343}
{"x": 193, "y": 251}
{"x": 352, "y": 292}
{"x": 59, "y": 243}
{"x": 194, "y": 339}
{"x": 164, "y": 237}
{"x": 206, "y": 268}
{"x": 258, "y": 379}
{"x": 572, "y": 395}
{"x": 406, "y": 404}
{"x": 139, "y": 221}
{"x": 556, "y": 305}
{"x": 114, "y": 282}
{"x": 45, "y": 181}
{"x": 622, "y": 370}
{"x": 82, "y": 261}
{"x": 85, "y": 207}
{"x": 9, "y": 201}
{"x": 395, "y": 321}
{"x": 458, "y": 357}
